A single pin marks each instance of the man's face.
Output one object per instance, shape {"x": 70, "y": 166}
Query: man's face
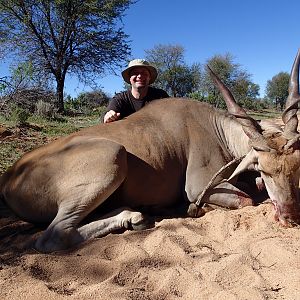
{"x": 139, "y": 77}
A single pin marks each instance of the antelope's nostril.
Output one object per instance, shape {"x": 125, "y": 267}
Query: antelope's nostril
{"x": 286, "y": 217}
{"x": 284, "y": 221}
{"x": 287, "y": 221}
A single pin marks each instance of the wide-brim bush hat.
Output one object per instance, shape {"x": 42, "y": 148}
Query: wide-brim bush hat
{"x": 139, "y": 62}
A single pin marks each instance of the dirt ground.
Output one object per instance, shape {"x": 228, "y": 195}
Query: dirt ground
{"x": 241, "y": 254}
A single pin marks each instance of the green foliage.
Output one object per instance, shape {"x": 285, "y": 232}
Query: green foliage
{"x": 180, "y": 80}
{"x": 87, "y": 103}
{"x": 277, "y": 89}
{"x": 23, "y": 71}
{"x": 59, "y": 37}
{"x": 175, "y": 76}
{"x": 18, "y": 115}
{"x": 25, "y": 76}
{"x": 3, "y": 85}
{"x": 236, "y": 79}
{"x": 197, "y": 96}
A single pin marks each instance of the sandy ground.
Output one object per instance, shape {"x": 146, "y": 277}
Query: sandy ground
{"x": 241, "y": 254}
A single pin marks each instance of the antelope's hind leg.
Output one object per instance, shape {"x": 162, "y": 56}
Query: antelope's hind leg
{"x": 91, "y": 170}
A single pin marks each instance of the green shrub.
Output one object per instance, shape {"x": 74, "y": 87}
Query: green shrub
{"x": 18, "y": 115}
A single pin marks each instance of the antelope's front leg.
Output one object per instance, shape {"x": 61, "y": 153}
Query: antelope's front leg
{"x": 225, "y": 195}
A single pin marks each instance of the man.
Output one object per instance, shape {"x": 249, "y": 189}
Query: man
{"x": 139, "y": 74}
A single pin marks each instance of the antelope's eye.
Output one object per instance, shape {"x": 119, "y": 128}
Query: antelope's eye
{"x": 257, "y": 168}
{"x": 260, "y": 169}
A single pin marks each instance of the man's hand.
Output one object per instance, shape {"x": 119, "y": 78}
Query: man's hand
{"x": 111, "y": 116}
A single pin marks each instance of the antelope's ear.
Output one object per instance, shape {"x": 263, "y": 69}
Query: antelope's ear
{"x": 247, "y": 164}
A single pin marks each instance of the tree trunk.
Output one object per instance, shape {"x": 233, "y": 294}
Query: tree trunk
{"x": 60, "y": 95}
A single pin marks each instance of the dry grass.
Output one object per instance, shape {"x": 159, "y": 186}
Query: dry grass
{"x": 20, "y": 139}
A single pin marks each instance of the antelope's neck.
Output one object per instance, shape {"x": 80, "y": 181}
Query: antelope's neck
{"x": 232, "y": 136}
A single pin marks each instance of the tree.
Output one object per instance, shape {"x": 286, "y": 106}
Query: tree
{"x": 175, "y": 76}
{"x": 3, "y": 84}
{"x": 245, "y": 91}
{"x": 23, "y": 76}
{"x": 23, "y": 89}
{"x": 88, "y": 102}
{"x": 61, "y": 36}
{"x": 236, "y": 79}
{"x": 277, "y": 89}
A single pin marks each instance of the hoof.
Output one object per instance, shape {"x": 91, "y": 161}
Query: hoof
{"x": 195, "y": 211}
{"x": 144, "y": 223}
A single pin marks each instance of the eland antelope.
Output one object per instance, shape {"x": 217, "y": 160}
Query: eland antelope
{"x": 171, "y": 151}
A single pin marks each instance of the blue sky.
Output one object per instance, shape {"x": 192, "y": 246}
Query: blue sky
{"x": 262, "y": 35}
